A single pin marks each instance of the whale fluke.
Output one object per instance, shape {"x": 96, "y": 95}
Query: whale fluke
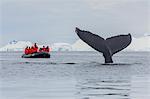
{"x": 107, "y": 46}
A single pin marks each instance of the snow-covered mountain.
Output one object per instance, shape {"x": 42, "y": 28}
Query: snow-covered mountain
{"x": 137, "y": 44}
{"x": 20, "y": 46}
{"x": 61, "y": 47}
{"x": 16, "y": 46}
{"x": 79, "y": 45}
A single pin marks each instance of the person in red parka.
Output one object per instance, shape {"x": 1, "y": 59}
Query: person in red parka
{"x": 35, "y": 48}
{"x": 32, "y": 50}
{"x": 26, "y": 51}
{"x": 29, "y": 51}
{"x": 40, "y": 50}
{"x": 43, "y": 49}
{"x": 47, "y": 49}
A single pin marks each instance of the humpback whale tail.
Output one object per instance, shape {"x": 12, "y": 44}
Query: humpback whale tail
{"x": 108, "y": 46}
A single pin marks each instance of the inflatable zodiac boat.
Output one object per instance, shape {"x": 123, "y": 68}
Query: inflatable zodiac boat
{"x": 37, "y": 55}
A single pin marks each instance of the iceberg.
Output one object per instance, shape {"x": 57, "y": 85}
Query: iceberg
{"x": 20, "y": 46}
{"x": 61, "y": 47}
{"x": 79, "y": 45}
{"x": 137, "y": 44}
{"x": 16, "y": 46}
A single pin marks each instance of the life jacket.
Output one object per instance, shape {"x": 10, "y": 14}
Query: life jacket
{"x": 47, "y": 50}
{"x": 26, "y": 51}
{"x": 30, "y": 51}
{"x": 43, "y": 49}
{"x": 35, "y": 46}
{"x": 40, "y": 50}
{"x": 34, "y": 50}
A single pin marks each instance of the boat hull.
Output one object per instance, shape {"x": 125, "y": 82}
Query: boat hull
{"x": 37, "y": 55}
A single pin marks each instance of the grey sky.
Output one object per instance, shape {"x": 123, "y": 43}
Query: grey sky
{"x": 49, "y": 21}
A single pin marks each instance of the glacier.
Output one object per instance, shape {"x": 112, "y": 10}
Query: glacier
{"x": 61, "y": 47}
{"x": 21, "y": 45}
{"x": 16, "y": 46}
{"x": 137, "y": 44}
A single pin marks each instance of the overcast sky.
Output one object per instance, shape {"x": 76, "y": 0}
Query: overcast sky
{"x": 49, "y": 21}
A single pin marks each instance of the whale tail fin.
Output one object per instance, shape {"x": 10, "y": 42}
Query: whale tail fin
{"x": 118, "y": 43}
{"x": 108, "y": 47}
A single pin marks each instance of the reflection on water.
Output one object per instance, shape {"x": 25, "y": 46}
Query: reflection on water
{"x": 113, "y": 82}
{"x": 75, "y": 76}
{"x": 135, "y": 88}
{"x": 104, "y": 90}
{"x": 140, "y": 87}
{"x": 104, "y": 82}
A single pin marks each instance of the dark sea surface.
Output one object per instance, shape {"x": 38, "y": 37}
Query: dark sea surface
{"x": 75, "y": 75}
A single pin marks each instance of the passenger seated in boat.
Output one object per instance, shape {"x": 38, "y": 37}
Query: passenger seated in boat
{"x": 40, "y": 50}
{"x": 35, "y": 48}
{"x": 43, "y": 49}
{"x": 47, "y": 49}
{"x": 35, "y": 45}
{"x": 29, "y": 51}
{"x": 26, "y": 51}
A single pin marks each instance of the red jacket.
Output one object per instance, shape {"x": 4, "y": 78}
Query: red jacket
{"x": 30, "y": 51}
{"x": 47, "y": 50}
{"x": 26, "y": 51}
{"x": 43, "y": 49}
{"x": 34, "y": 50}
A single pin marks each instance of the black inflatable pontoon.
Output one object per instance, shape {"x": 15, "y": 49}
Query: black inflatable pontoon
{"x": 37, "y": 55}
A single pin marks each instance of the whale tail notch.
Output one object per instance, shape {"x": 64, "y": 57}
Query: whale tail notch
{"x": 108, "y": 46}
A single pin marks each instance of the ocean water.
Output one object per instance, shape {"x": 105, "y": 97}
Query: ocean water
{"x": 75, "y": 75}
